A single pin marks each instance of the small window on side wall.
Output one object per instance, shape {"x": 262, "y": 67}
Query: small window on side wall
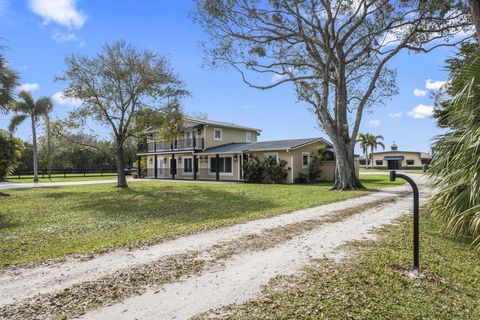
{"x": 272, "y": 157}
{"x": 379, "y": 162}
{"x": 410, "y": 162}
{"x": 217, "y": 134}
{"x": 305, "y": 159}
{"x": 248, "y": 136}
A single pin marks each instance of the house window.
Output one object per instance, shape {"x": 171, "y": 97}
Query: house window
{"x": 272, "y": 157}
{"x": 187, "y": 165}
{"x": 410, "y": 162}
{"x": 248, "y": 136}
{"x": 305, "y": 159}
{"x": 217, "y": 134}
{"x": 224, "y": 165}
{"x": 379, "y": 162}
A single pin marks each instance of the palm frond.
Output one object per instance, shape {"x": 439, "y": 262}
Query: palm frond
{"x": 43, "y": 106}
{"x": 8, "y": 81}
{"x": 16, "y": 121}
{"x": 27, "y": 98}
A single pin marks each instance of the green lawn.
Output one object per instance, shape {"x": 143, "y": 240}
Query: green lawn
{"x": 37, "y": 224}
{"x": 60, "y": 178}
{"x": 374, "y": 286}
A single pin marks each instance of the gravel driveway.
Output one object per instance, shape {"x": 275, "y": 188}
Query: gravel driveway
{"x": 180, "y": 278}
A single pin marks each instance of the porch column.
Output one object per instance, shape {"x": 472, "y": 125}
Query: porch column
{"x": 217, "y": 169}
{"x": 139, "y": 166}
{"x": 173, "y": 167}
{"x": 195, "y": 167}
{"x": 240, "y": 166}
{"x": 155, "y": 166}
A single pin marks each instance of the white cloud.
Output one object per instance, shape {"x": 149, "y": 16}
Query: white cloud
{"x": 374, "y": 123}
{"x": 249, "y": 106}
{"x": 419, "y": 93}
{"x": 63, "y": 12}
{"x": 60, "y": 98}
{"x": 421, "y": 111}
{"x": 27, "y": 87}
{"x": 64, "y": 37}
{"x": 434, "y": 85}
{"x": 395, "y": 114}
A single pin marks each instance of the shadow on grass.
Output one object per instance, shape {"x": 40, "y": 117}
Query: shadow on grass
{"x": 5, "y": 223}
{"x": 187, "y": 204}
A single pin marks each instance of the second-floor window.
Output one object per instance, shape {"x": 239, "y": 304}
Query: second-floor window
{"x": 217, "y": 134}
{"x": 248, "y": 136}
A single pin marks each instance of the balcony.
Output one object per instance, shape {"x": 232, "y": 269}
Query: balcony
{"x": 177, "y": 145}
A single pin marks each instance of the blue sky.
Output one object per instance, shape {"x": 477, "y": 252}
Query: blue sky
{"x": 39, "y": 33}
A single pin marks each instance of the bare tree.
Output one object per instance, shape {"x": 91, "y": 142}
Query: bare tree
{"x": 334, "y": 52}
{"x": 115, "y": 88}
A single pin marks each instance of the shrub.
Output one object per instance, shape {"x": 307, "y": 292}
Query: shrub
{"x": 253, "y": 170}
{"x": 275, "y": 172}
{"x": 314, "y": 172}
{"x": 267, "y": 171}
{"x": 10, "y": 153}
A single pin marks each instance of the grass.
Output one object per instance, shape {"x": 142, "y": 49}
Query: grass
{"x": 374, "y": 285}
{"x": 43, "y": 223}
{"x": 60, "y": 178}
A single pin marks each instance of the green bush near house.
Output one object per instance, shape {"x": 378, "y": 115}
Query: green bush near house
{"x": 266, "y": 171}
{"x": 10, "y": 153}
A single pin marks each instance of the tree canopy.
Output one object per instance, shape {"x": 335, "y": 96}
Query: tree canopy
{"x": 334, "y": 53}
{"x": 117, "y": 87}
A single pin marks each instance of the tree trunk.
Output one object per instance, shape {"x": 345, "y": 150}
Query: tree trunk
{"x": 49, "y": 146}
{"x": 345, "y": 176}
{"x": 475, "y": 10}
{"x": 121, "y": 178}
{"x": 34, "y": 144}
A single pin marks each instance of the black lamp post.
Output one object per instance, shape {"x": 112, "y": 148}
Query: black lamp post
{"x": 416, "y": 222}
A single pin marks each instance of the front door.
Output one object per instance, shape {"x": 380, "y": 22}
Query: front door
{"x": 160, "y": 168}
{"x": 173, "y": 167}
{"x": 393, "y": 164}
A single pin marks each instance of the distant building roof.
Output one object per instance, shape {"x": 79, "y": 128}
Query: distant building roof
{"x": 423, "y": 155}
{"x": 221, "y": 124}
{"x": 264, "y": 146}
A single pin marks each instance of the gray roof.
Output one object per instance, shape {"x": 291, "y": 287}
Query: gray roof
{"x": 221, "y": 124}
{"x": 263, "y": 146}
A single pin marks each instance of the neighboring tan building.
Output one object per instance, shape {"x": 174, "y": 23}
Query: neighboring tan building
{"x": 214, "y": 150}
{"x": 395, "y": 159}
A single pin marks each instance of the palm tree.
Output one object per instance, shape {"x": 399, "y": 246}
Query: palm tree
{"x": 374, "y": 142}
{"x": 29, "y": 108}
{"x": 454, "y": 170}
{"x": 363, "y": 139}
{"x": 8, "y": 81}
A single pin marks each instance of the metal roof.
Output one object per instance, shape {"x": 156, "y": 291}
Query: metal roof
{"x": 221, "y": 124}
{"x": 263, "y": 146}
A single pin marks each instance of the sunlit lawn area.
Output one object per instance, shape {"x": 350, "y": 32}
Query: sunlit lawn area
{"x": 42, "y": 223}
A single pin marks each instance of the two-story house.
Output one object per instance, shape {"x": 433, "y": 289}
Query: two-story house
{"x": 214, "y": 150}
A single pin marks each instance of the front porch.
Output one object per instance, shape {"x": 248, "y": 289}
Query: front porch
{"x": 190, "y": 166}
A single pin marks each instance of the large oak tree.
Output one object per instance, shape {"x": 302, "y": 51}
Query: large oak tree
{"x": 335, "y": 53}
{"x": 116, "y": 87}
